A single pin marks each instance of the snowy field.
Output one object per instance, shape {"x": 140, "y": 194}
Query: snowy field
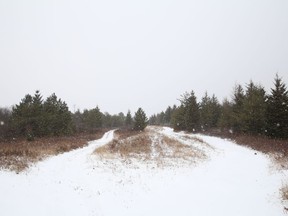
{"x": 232, "y": 181}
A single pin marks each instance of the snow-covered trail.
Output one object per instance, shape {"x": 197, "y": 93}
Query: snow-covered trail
{"x": 234, "y": 181}
{"x": 60, "y": 185}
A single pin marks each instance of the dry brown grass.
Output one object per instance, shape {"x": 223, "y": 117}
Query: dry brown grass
{"x": 149, "y": 146}
{"x": 125, "y": 133}
{"x": 181, "y": 150}
{"x": 285, "y": 192}
{"x": 194, "y": 138}
{"x": 18, "y": 154}
{"x": 126, "y": 145}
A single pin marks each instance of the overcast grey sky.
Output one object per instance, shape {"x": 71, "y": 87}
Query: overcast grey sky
{"x": 125, "y": 54}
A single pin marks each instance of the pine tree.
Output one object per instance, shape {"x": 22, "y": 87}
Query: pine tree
{"x": 140, "y": 120}
{"x": 277, "y": 110}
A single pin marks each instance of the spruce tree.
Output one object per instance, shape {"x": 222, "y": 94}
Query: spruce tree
{"x": 226, "y": 115}
{"x": 27, "y": 116}
{"x": 58, "y": 119}
{"x": 277, "y": 111}
{"x": 192, "y": 112}
{"x": 37, "y": 116}
{"x": 253, "y": 114}
{"x": 237, "y": 108}
{"x": 140, "y": 120}
{"x": 210, "y": 111}
{"x": 178, "y": 119}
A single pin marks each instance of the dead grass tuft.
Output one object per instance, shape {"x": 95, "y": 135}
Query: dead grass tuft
{"x": 194, "y": 138}
{"x": 125, "y": 133}
{"x": 17, "y": 155}
{"x": 130, "y": 146}
{"x": 181, "y": 150}
{"x": 285, "y": 192}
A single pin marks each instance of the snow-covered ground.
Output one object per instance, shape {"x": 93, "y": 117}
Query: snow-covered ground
{"x": 234, "y": 181}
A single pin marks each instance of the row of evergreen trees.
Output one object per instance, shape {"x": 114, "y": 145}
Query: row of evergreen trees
{"x": 93, "y": 119}
{"x": 251, "y": 111}
{"x": 35, "y": 117}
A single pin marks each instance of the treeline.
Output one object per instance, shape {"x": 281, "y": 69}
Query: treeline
{"x": 36, "y": 117}
{"x": 93, "y": 119}
{"x": 251, "y": 110}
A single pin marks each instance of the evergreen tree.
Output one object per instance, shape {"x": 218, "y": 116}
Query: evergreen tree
{"x": 277, "y": 110}
{"x": 160, "y": 118}
{"x": 78, "y": 121}
{"x": 128, "y": 120}
{"x": 107, "y": 120}
{"x": 140, "y": 120}
{"x": 119, "y": 120}
{"x": 237, "y": 108}
{"x": 38, "y": 118}
{"x": 5, "y": 123}
{"x": 152, "y": 120}
{"x": 253, "y": 115}
{"x": 57, "y": 117}
{"x": 167, "y": 116}
{"x": 23, "y": 118}
{"x": 92, "y": 119}
{"x": 216, "y": 107}
{"x": 192, "y": 112}
{"x": 210, "y": 111}
{"x": 178, "y": 119}
{"x": 226, "y": 115}
{"x": 33, "y": 118}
